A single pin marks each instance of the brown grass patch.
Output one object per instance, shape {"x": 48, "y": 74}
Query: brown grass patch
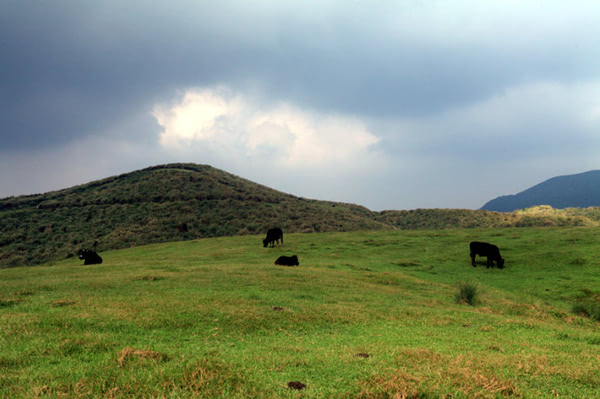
{"x": 128, "y": 354}
{"x": 420, "y": 355}
{"x": 424, "y": 373}
{"x": 211, "y": 377}
{"x": 401, "y": 385}
{"x": 202, "y": 376}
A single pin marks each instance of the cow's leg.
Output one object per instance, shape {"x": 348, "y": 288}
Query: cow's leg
{"x": 490, "y": 262}
{"x": 473, "y": 259}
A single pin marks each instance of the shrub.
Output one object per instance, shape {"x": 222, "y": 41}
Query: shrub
{"x": 467, "y": 293}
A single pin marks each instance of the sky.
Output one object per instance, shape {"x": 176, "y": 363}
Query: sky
{"x": 392, "y": 105}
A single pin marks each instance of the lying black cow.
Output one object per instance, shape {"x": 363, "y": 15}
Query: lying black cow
{"x": 90, "y": 257}
{"x": 488, "y": 250}
{"x": 287, "y": 261}
{"x": 273, "y": 236}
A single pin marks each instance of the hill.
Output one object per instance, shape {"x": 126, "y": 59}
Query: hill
{"x": 159, "y": 204}
{"x": 179, "y": 202}
{"x": 573, "y": 191}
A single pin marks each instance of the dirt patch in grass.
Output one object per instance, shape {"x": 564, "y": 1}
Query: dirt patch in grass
{"x": 128, "y": 355}
{"x": 296, "y": 385}
{"x": 406, "y": 263}
{"x": 150, "y": 278}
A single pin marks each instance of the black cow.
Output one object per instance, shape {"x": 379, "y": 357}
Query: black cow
{"x": 488, "y": 250}
{"x": 90, "y": 257}
{"x": 273, "y": 236}
{"x": 287, "y": 261}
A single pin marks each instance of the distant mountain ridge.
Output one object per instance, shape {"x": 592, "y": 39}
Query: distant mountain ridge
{"x": 580, "y": 190}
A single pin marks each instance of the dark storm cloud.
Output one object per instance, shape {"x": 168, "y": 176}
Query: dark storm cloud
{"x": 72, "y": 69}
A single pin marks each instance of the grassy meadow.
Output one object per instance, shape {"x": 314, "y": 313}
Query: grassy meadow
{"x": 366, "y": 315}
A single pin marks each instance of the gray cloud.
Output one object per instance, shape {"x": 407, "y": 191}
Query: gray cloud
{"x": 430, "y": 78}
{"x": 74, "y": 67}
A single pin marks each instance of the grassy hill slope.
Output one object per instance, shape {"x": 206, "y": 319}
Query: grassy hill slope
{"x": 159, "y": 204}
{"x": 187, "y": 201}
{"x": 366, "y": 315}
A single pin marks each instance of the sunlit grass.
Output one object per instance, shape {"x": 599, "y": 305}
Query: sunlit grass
{"x": 216, "y": 318}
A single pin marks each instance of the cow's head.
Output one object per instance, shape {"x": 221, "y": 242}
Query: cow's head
{"x": 83, "y": 253}
{"x": 501, "y": 263}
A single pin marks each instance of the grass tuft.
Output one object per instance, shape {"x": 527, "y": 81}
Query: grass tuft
{"x": 467, "y": 293}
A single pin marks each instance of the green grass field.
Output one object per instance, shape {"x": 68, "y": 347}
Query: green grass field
{"x": 366, "y": 315}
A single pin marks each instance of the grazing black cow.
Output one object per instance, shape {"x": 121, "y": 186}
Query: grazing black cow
{"x": 90, "y": 257}
{"x": 273, "y": 236}
{"x": 287, "y": 261}
{"x": 488, "y": 250}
